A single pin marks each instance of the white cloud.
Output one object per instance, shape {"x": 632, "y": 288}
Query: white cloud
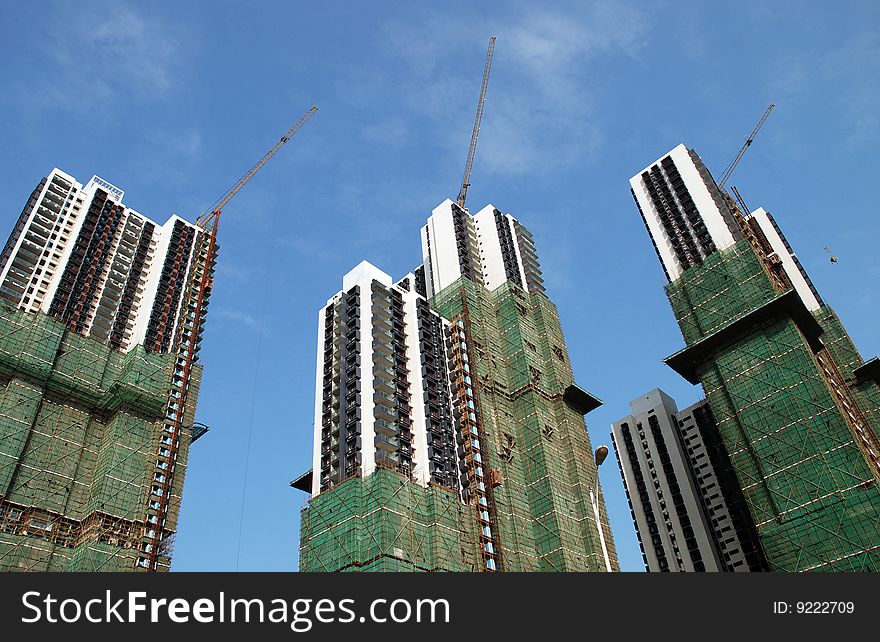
{"x": 133, "y": 50}
{"x": 385, "y": 131}
{"x": 97, "y": 54}
{"x": 237, "y": 317}
{"x": 187, "y": 144}
{"x": 236, "y": 274}
{"x": 549, "y": 44}
{"x": 546, "y": 123}
{"x": 843, "y": 76}
{"x": 541, "y": 95}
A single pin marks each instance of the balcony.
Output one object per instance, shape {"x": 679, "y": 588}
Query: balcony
{"x": 386, "y": 443}
{"x": 382, "y": 347}
{"x": 385, "y": 427}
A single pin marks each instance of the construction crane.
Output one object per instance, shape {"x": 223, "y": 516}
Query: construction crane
{"x": 733, "y": 164}
{"x": 749, "y": 140}
{"x": 214, "y": 211}
{"x": 465, "y": 183}
{"x": 156, "y": 538}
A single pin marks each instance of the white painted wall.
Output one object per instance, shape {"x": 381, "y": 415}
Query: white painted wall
{"x": 150, "y": 278}
{"x": 519, "y": 260}
{"x": 63, "y": 247}
{"x": 319, "y": 398}
{"x": 443, "y": 254}
{"x": 489, "y": 246}
{"x": 709, "y": 211}
{"x": 363, "y": 274}
{"x": 417, "y": 403}
{"x": 791, "y": 269}
{"x": 426, "y": 262}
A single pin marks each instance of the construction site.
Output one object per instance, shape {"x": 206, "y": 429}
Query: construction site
{"x": 531, "y": 500}
{"x": 542, "y": 497}
{"x": 82, "y": 430}
{"x": 450, "y": 431}
{"x": 795, "y": 403}
{"x": 386, "y": 522}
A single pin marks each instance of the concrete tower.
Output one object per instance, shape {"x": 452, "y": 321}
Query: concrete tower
{"x": 385, "y": 474}
{"x": 449, "y": 432}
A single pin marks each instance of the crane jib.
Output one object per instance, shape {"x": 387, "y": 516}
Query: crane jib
{"x": 465, "y": 183}
{"x": 223, "y": 200}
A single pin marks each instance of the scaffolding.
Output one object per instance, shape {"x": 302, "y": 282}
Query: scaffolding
{"x": 728, "y": 284}
{"x": 479, "y": 479}
{"x": 535, "y": 452}
{"x": 387, "y": 522}
{"x": 79, "y": 424}
{"x": 801, "y": 433}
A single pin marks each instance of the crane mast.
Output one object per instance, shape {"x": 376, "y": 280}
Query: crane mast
{"x": 465, "y": 183}
{"x": 746, "y": 145}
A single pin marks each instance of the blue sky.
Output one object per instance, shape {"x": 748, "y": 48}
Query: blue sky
{"x": 173, "y": 101}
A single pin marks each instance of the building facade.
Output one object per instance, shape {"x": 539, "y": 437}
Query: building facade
{"x": 102, "y": 318}
{"x": 80, "y": 255}
{"x": 489, "y": 248}
{"x": 795, "y": 404}
{"x": 385, "y": 479}
{"x": 687, "y": 514}
{"x": 382, "y": 385}
{"x": 543, "y": 504}
{"x": 525, "y": 495}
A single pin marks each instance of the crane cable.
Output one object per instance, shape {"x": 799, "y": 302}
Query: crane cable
{"x": 792, "y": 195}
{"x": 247, "y": 455}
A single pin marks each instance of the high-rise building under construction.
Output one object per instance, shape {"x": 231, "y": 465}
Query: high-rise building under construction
{"x": 686, "y": 504}
{"x": 795, "y": 403}
{"x": 98, "y": 380}
{"x": 449, "y": 432}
